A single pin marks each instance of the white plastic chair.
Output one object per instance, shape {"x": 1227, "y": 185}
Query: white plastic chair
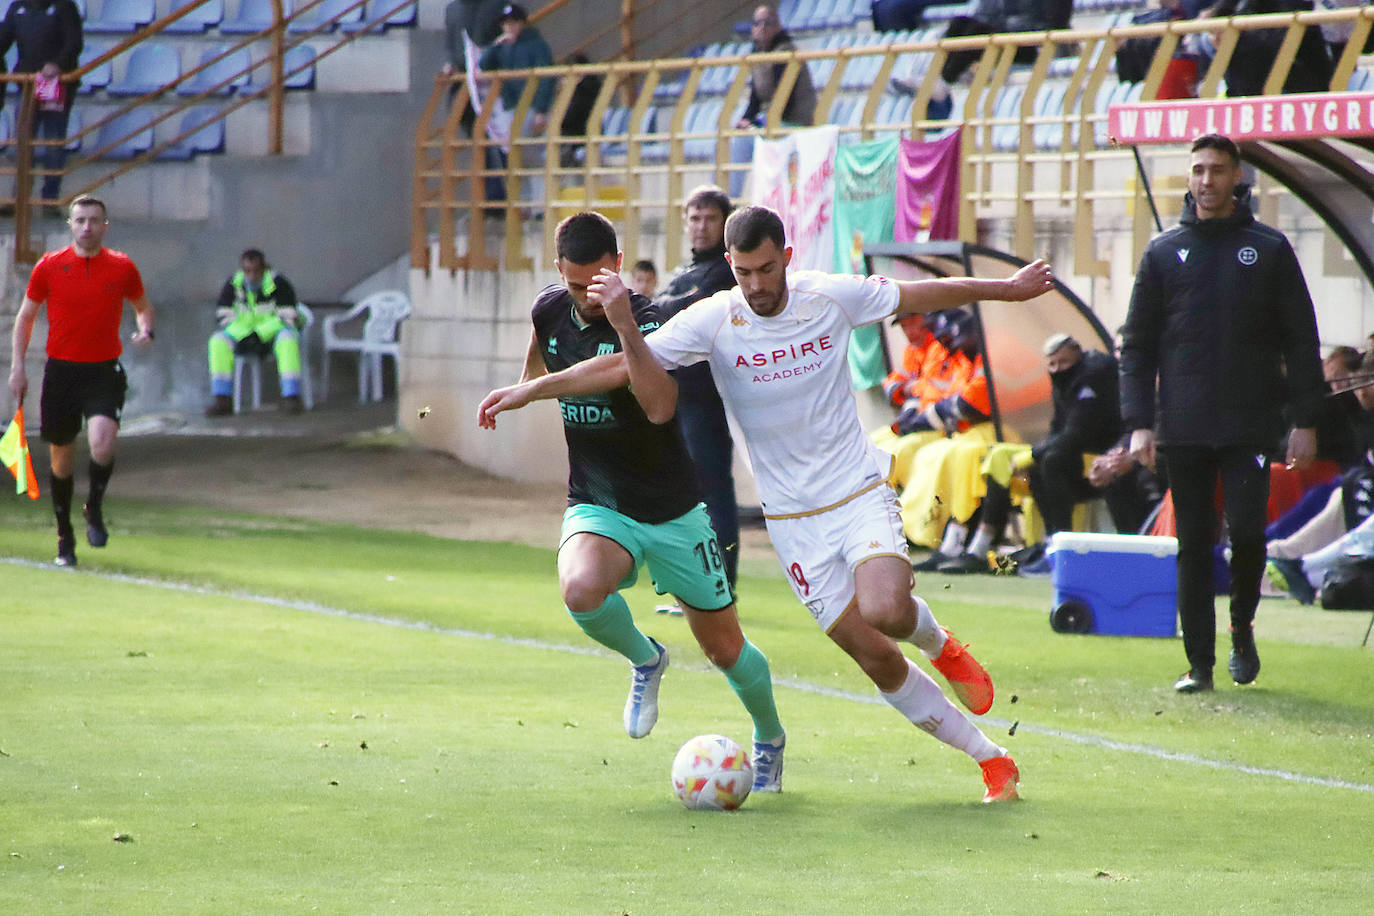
{"x": 385, "y": 312}
{"x": 254, "y": 366}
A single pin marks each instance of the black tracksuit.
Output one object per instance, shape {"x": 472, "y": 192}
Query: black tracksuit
{"x": 1220, "y": 314}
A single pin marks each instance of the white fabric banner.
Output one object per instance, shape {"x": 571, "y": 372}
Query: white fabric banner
{"x": 796, "y": 177}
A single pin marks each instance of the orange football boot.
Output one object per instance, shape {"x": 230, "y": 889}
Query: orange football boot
{"x": 969, "y": 679}
{"x": 1001, "y": 777}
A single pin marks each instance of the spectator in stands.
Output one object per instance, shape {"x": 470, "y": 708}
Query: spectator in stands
{"x": 989, "y": 17}
{"x": 579, "y": 111}
{"x": 896, "y": 15}
{"x": 478, "y": 18}
{"x": 1220, "y": 332}
{"x": 1337, "y": 34}
{"x": 700, "y": 412}
{"x": 49, "y": 40}
{"x": 768, "y": 35}
{"x": 644, "y": 278}
{"x": 1256, "y": 49}
{"x": 257, "y": 315}
{"x": 519, "y": 47}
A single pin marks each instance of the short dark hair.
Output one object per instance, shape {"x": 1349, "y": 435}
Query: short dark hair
{"x": 1218, "y": 142}
{"x": 585, "y": 238}
{"x": 255, "y": 256}
{"x": 87, "y": 201}
{"x": 645, "y": 265}
{"x": 750, "y": 227}
{"x": 708, "y": 195}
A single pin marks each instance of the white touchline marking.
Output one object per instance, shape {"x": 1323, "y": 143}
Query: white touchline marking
{"x": 791, "y": 683}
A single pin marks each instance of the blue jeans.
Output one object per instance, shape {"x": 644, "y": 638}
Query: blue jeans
{"x": 52, "y": 125}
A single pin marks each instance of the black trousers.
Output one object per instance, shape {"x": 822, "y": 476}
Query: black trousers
{"x": 1193, "y": 473}
{"x": 1057, "y": 483}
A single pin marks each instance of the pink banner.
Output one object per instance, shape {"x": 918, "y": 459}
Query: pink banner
{"x": 928, "y": 189}
{"x": 1275, "y": 117}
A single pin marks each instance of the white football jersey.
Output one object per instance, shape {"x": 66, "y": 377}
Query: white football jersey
{"x": 786, "y": 381}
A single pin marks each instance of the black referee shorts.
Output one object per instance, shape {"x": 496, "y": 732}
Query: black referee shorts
{"x": 76, "y": 391}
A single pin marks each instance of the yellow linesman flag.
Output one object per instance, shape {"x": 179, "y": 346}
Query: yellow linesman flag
{"x": 14, "y": 452}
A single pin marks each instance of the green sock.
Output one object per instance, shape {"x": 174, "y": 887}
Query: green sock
{"x": 613, "y": 626}
{"x": 753, "y": 683}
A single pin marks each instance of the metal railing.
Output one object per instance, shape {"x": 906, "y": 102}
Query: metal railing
{"x": 270, "y": 60}
{"x": 641, "y": 173}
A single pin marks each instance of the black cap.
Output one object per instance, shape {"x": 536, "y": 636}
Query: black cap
{"x": 513, "y": 11}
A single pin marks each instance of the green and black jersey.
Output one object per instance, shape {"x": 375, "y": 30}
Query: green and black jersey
{"x": 617, "y": 458}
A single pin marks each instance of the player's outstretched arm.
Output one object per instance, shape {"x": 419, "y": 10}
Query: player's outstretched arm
{"x": 650, "y": 383}
{"x": 600, "y": 373}
{"x": 919, "y": 296}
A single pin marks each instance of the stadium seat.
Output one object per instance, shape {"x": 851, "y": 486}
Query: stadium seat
{"x": 151, "y": 66}
{"x": 100, "y": 77}
{"x": 299, "y": 58}
{"x": 223, "y": 71}
{"x": 947, "y": 11}
{"x": 319, "y": 16}
{"x": 384, "y": 313}
{"x": 208, "y": 15}
{"x": 206, "y": 134}
{"x": 1006, "y": 137}
{"x": 6, "y": 130}
{"x": 252, "y": 16}
{"x": 121, "y": 17}
{"x": 127, "y": 135}
{"x": 383, "y": 14}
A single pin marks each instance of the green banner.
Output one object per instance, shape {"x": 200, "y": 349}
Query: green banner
{"x": 865, "y": 211}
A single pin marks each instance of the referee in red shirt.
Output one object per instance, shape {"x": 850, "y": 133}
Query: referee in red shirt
{"x": 84, "y": 287}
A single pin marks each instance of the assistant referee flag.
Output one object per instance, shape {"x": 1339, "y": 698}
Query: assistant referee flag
{"x": 14, "y": 452}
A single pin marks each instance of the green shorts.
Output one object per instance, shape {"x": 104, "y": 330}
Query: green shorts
{"x": 683, "y": 556}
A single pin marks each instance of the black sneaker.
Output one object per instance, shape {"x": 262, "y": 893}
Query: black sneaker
{"x": 931, "y": 563}
{"x": 291, "y": 404}
{"x": 66, "y": 551}
{"x": 1244, "y": 664}
{"x": 96, "y": 534}
{"x": 963, "y": 564}
{"x": 1195, "y": 681}
{"x": 222, "y": 406}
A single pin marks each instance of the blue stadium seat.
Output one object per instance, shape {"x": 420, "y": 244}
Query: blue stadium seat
{"x": 703, "y": 149}
{"x": 252, "y": 16}
{"x": 301, "y": 56}
{"x": 129, "y": 133}
{"x": 6, "y": 129}
{"x": 121, "y": 16}
{"x": 219, "y": 71}
{"x": 203, "y": 17}
{"x": 207, "y": 136}
{"x": 320, "y": 14}
{"x": 100, "y": 77}
{"x": 382, "y": 14}
{"x": 947, "y": 11}
{"x": 151, "y": 66}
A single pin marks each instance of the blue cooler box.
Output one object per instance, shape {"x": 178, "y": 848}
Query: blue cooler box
{"x": 1114, "y": 584}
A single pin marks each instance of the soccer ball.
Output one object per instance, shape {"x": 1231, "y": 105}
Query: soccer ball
{"x": 712, "y": 773}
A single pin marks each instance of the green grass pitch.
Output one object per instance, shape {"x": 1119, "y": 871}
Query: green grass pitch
{"x": 262, "y": 715}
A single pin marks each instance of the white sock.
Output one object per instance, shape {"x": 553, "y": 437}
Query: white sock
{"x": 925, "y": 705}
{"x": 928, "y": 637}
{"x": 982, "y": 540}
{"x": 954, "y": 539}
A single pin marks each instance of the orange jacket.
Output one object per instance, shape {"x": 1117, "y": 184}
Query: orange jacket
{"x": 903, "y": 383}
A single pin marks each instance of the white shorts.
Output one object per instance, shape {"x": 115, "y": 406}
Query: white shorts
{"x": 819, "y": 552}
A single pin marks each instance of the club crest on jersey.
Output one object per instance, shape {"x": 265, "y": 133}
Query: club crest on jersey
{"x": 738, "y": 321}
{"x": 1247, "y": 255}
